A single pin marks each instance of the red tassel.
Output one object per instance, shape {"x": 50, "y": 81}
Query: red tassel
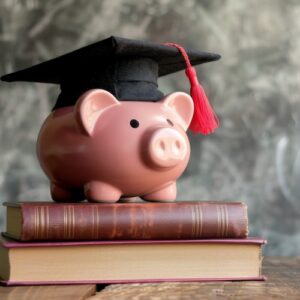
{"x": 204, "y": 119}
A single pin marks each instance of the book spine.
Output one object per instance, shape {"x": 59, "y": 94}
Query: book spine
{"x": 134, "y": 221}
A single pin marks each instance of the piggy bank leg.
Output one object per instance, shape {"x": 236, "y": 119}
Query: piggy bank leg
{"x": 166, "y": 194}
{"x": 97, "y": 191}
{"x": 60, "y": 194}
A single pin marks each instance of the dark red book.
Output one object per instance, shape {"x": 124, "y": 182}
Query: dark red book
{"x": 129, "y": 261}
{"x": 34, "y": 221}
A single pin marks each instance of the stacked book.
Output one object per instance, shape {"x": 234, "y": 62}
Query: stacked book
{"x": 50, "y": 243}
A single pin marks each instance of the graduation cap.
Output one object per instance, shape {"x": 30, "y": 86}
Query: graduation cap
{"x": 126, "y": 68}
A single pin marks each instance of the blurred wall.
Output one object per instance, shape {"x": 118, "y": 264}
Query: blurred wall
{"x": 253, "y": 157}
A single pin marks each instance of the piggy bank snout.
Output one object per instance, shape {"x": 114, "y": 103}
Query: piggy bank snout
{"x": 167, "y": 147}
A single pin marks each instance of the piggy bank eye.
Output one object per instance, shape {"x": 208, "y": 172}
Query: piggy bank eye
{"x": 170, "y": 122}
{"x": 134, "y": 123}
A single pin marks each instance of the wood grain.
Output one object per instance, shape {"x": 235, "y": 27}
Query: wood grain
{"x": 51, "y": 292}
{"x": 283, "y": 283}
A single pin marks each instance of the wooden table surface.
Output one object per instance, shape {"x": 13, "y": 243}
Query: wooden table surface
{"x": 283, "y": 283}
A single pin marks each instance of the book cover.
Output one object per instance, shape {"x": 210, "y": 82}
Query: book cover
{"x": 32, "y": 221}
{"x": 130, "y": 261}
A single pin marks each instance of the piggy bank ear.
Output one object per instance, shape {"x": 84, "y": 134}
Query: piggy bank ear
{"x": 90, "y": 106}
{"x": 183, "y": 105}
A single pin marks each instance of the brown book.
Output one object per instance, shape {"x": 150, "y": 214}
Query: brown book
{"x": 129, "y": 261}
{"x": 32, "y": 221}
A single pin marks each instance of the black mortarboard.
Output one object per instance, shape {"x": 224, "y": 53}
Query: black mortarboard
{"x": 126, "y": 68}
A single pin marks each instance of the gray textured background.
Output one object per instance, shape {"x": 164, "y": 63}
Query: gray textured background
{"x": 254, "y": 156}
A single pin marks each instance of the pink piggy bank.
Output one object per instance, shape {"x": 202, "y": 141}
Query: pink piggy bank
{"x": 103, "y": 150}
